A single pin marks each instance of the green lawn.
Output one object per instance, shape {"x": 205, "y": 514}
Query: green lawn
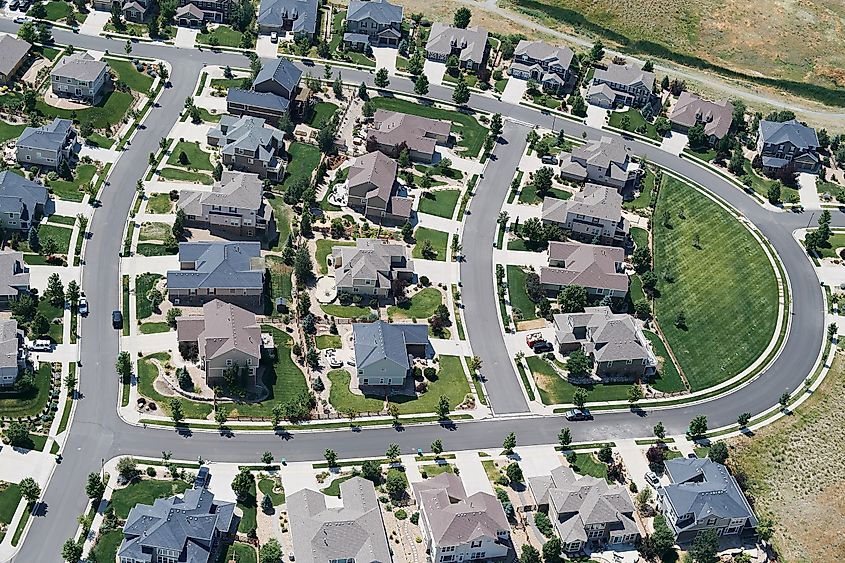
{"x": 147, "y": 373}
{"x": 421, "y": 306}
{"x": 451, "y": 173}
{"x": 636, "y": 121}
{"x": 440, "y": 202}
{"x": 226, "y": 83}
{"x": 438, "y": 239}
{"x": 52, "y": 313}
{"x": 836, "y": 191}
{"x": 472, "y": 133}
{"x": 10, "y": 498}
{"x": 435, "y": 469}
{"x": 324, "y": 248}
{"x": 196, "y": 157}
{"x": 143, "y": 284}
{"x": 836, "y": 240}
{"x": 761, "y": 184}
{"x": 640, "y": 237}
{"x": 69, "y": 190}
{"x": 126, "y": 72}
{"x": 587, "y": 464}
{"x": 668, "y": 379}
{"x": 643, "y": 199}
{"x": 249, "y": 508}
{"x": 154, "y": 328}
{"x": 9, "y": 131}
{"x": 328, "y": 341}
{"x": 346, "y": 311}
{"x": 61, "y": 220}
{"x": 451, "y": 381}
{"x": 500, "y": 85}
{"x": 154, "y": 231}
{"x": 58, "y": 233}
{"x": 159, "y": 204}
{"x": 240, "y": 552}
{"x": 556, "y": 390}
{"x": 107, "y": 545}
{"x": 529, "y": 194}
{"x": 516, "y": 290}
{"x": 179, "y": 175}
{"x": 109, "y": 111}
{"x": 226, "y": 37}
{"x": 144, "y": 491}
{"x": 726, "y": 288}
{"x": 266, "y": 488}
{"x": 322, "y": 112}
{"x": 333, "y": 490}
{"x": 280, "y": 278}
{"x": 303, "y": 159}
{"x": 154, "y": 249}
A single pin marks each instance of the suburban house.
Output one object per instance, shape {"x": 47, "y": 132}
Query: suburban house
{"x": 373, "y": 22}
{"x": 13, "y": 54}
{"x": 47, "y": 146}
{"x": 372, "y": 189}
{"x": 298, "y": 17}
{"x": 615, "y": 343}
{"x": 468, "y": 45}
{"x": 22, "y": 202}
{"x": 703, "y": 495}
{"x": 594, "y": 214}
{"x": 189, "y": 16}
{"x": 607, "y": 161}
{"x": 585, "y": 510}
{"x": 234, "y": 208}
{"x": 14, "y": 277}
{"x": 348, "y": 533}
{"x": 192, "y": 528}
{"x": 621, "y": 85}
{"x": 248, "y": 145}
{"x": 214, "y": 11}
{"x": 715, "y": 117}
{"x": 383, "y": 351}
{"x": 599, "y": 269}
{"x": 231, "y": 271}
{"x": 371, "y": 267}
{"x": 392, "y": 132}
{"x": 80, "y": 77}
{"x": 788, "y": 143}
{"x": 273, "y": 91}
{"x": 225, "y": 336}
{"x": 132, "y": 10}
{"x": 459, "y": 527}
{"x": 549, "y": 65}
{"x": 12, "y": 352}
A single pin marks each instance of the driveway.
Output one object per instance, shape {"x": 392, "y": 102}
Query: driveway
{"x": 472, "y": 473}
{"x": 95, "y": 22}
{"x": 434, "y": 71}
{"x": 514, "y": 90}
{"x": 807, "y": 191}
{"x": 385, "y": 58}
{"x": 596, "y": 116}
{"x": 220, "y": 484}
{"x": 674, "y": 143}
{"x": 266, "y": 48}
{"x": 185, "y": 37}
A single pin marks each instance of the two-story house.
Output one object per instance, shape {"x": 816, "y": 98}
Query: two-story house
{"x": 371, "y": 267}
{"x": 459, "y": 527}
{"x": 193, "y": 527}
{"x": 392, "y": 132}
{"x": 384, "y": 352}
{"x": 788, "y": 143}
{"x": 48, "y": 146}
{"x": 22, "y": 202}
{"x": 230, "y": 271}
{"x": 599, "y": 269}
{"x": 132, "y": 10}
{"x": 585, "y": 511}
{"x": 615, "y": 343}
{"x": 373, "y": 190}
{"x": 213, "y": 11}
{"x": 621, "y": 85}
{"x": 14, "y": 277}
{"x": 594, "y": 214}
{"x": 372, "y": 22}
{"x": 549, "y": 65}
{"x": 691, "y": 110}
{"x": 703, "y": 495}
{"x": 234, "y": 208}
{"x": 298, "y": 17}
{"x": 12, "y": 352}
{"x": 14, "y": 53}
{"x": 274, "y": 90}
{"x": 606, "y": 161}
{"x": 249, "y": 145}
{"x": 81, "y": 77}
{"x": 468, "y": 45}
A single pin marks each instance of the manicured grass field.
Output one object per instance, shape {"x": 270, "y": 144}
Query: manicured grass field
{"x": 761, "y": 184}
{"x": 322, "y": 112}
{"x": 668, "y": 379}
{"x": 69, "y": 190}
{"x": 636, "y": 120}
{"x": 154, "y": 249}
{"x": 266, "y": 488}
{"x": 154, "y": 328}
{"x": 159, "y": 204}
{"x": 642, "y": 200}
{"x": 438, "y": 239}
{"x": 280, "y": 277}
{"x": 144, "y": 491}
{"x": 640, "y": 237}
{"x": 472, "y": 133}
{"x": 440, "y": 202}
{"x": 328, "y": 341}
{"x": 324, "y": 248}
{"x": 421, "y": 306}
{"x": 143, "y": 284}
{"x": 529, "y": 194}
{"x": 197, "y": 158}
{"x": 126, "y": 72}
{"x": 58, "y": 233}
{"x": 226, "y": 83}
{"x": 435, "y": 469}
{"x": 226, "y": 37}
{"x": 346, "y": 311}
{"x": 333, "y": 490}
{"x": 587, "y": 464}
{"x": 147, "y": 373}
{"x": 836, "y": 240}
{"x": 9, "y": 131}
{"x": 556, "y": 390}
{"x": 109, "y": 111}
{"x": 153, "y": 231}
{"x": 107, "y": 545}
{"x": 516, "y": 290}
{"x": 726, "y": 288}
{"x": 180, "y": 175}
{"x": 303, "y": 160}
{"x": 240, "y": 552}
{"x": 10, "y": 498}
{"x": 248, "y": 506}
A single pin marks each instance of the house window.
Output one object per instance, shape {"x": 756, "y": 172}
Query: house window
{"x": 445, "y": 558}
{"x": 228, "y": 362}
{"x": 711, "y": 521}
{"x": 476, "y": 543}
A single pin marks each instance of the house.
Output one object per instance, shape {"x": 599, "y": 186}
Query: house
{"x": 231, "y": 271}
{"x": 691, "y": 110}
{"x": 13, "y": 54}
{"x": 12, "y": 352}
{"x": 594, "y": 214}
{"x": 372, "y": 22}
{"x": 371, "y": 267}
{"x": 703, "y": 495}
{"x": 81, "y": 77}
{"x": 372, "y": 189}
{"x": 788, "y": 143}
{"x": 248, "y": 145}
{"x": 599, "y": 269}
{"x": 48, "y": 146}
{"x": 615, "y": 343}
{"x": 225, "y": 336}
{"x": 298, "y": 17}
{"x": 392, "y": 132}
{"x": 351, "y": 532}
{"x": 383, "y": 351}
{"x": 468, "y": 45}
{"x": 213, "y": 11}
{"x": 234, "y": 208}
{"x": 549, "y": 65}
{"x": 193, "y": 527}
{"x": 459, "y": 527}
{"x": 273, "y": 92}
{"x": 607, "y": 161}
{"x": 621, "y": 85}
{"x": 132, "y": 10}
{"x": 585, "y": 510}
{"x": 14, "y": 277}
{"x": 189, "y": 16}
{"x": 22, "y": 202}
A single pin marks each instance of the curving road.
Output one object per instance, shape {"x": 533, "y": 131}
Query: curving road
{"x": 98, "y": 433}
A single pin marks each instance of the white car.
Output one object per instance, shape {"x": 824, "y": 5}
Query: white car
{"x": 21, "y": 19}
{"x": 274, "y": 37}
{"x": 42, "y": 345}
{"x": 83, "y": 306}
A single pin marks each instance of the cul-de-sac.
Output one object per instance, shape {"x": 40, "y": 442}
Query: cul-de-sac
{"x": 392, "y": 281}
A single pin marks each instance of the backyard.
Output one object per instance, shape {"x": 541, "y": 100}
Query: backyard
{"x": 14, "y": 404}
{"x": 324, "y": 248}
{"x": 303, "y": 160}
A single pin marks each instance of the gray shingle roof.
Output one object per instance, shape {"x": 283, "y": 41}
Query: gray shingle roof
{"x": 628, "y": 75}
{"x": 381, "y": 11}
{"x": 608, "y": 336}
{"x": 247, "y": 134}
{"x": 19, "y": 195}
{"x": 471, "y": 41}
{"x": 232, "y": 265}
{"x": 51, "y": 136}
{"x": 791, "y": 131}
{"x": 79, "y": 66}
{"x": 10, "y": 344}
{"x": 12, "y": 51}
{"x": 542, "y": 51}
{"x": 417, "y": 133}
{"x": 225, "y": 327}
{"x": 266, "y": 100}
{"x": 594, "y": 201}
{"x": 376, "y": 168}
{"x": 587, "y": 265}
{"x": 715, "y": 116}
{"x": 303, "y": 12}
{"x": 281, "y": 71}
{"x": 370, "y": 259}
{"x": 235, "y": 189}
{"x": 13, "y": 273}
{"x": 190, "y": 10}
{"x": 380, "y": 340}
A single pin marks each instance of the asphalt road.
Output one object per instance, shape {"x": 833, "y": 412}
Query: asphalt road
{"x": 97, "y": 433}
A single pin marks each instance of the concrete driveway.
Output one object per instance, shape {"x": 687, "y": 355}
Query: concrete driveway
{"x": 434, "y": 71}
{"x": 185, "y": 37}
{"x": 95, "y": 22}
{"x": 807, "y": 191}
{"x": 385, "y": 58}
{"x": 472, "y": 473}
{"x": 596, "y": 116}
{"x": 674, "y": 143}
{"x": 266, "y": 48}
{"x": 514, "y": 90}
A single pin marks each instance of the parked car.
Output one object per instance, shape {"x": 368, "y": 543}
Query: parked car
{"x": 578, "y": 414}
{"x": 203, "y": 477}
{"x": 548, "y": 159}
{"x": 692, "y": 455}
{"x": 542, "y": 346}
{"x": 117, "y": 319}
{"x": 274, "y": 37}
{"x": 652, "y": 478}
{"x": 42, "y": 345}
{"x": 21, "y": 19}
{"x": 13, "y": 5}
{"x": 533, "y": 338}
{"x": 83, "y": 306}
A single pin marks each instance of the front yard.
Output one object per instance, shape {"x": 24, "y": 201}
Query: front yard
{"x": 438, "y": 240}
{"x": 440, "y": 202}
{"x": 421, "y": 306}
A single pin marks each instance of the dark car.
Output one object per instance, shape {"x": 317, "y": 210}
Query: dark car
{"x": 578, "y": 414}
{"x": 542, "y": 346}
{"x": 203, "y": 477}
{"x": 117, "y": 319}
